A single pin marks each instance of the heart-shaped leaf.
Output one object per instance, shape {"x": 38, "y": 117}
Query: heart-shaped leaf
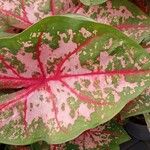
{"x": 70, "y": 77}
{"x": 92, "y": 2}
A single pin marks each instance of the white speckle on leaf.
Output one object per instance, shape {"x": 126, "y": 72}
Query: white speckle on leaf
{"x": 85, "y": 32}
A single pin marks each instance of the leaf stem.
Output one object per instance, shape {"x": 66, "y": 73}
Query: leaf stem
{"x": 52, "y": 7}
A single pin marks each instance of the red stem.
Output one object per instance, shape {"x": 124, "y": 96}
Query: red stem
{"x": 52, "y": 7}
{"x": 34, "y": 80}
{"x": 128, "y": 26}
{"x": 84, "y": 98}
{"x": 55, "y": 109}
{"x": 39, "y": 53}
{"x": 9, "y": 67}
{"x": 8, "y": 13}
{"x": 77, "y": 8}
{"x": 58, "y": 71}
{"x": 24, "y": 11}
{"x": 20, "y": 97}
{"x": 109, "y": 73}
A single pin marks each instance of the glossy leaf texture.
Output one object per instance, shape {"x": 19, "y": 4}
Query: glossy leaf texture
{"x": 147, "y": 120}
{"x": 92, "y": 2}
{"x": 70, "y": 77}
{"x": 106, "y": 136}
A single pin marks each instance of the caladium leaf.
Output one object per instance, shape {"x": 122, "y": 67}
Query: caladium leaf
{"x": 23, "y": 13}
{"x": 92, "y": 2}
{"x": 141, "y": 104}
{"x": 147, "y": 120}
{"x": 138, "y": 106}
{"x": 71, "y": 77}
{"x": 106, "y": 136}
{"x": 123, "y": 14}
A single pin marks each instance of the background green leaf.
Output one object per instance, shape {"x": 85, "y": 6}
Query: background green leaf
{"x": 92, "y": 2}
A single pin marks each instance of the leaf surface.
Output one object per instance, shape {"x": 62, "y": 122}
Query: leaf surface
{"x": 141, "y": 104}
{"x": 70, "y": 77}
{"x": 23, "y": 13}
{"x": 123, "y": 15}
{"x": 92, "y": 2}
{"x": 106, "y": 136}
{"x": 138, "y": 106}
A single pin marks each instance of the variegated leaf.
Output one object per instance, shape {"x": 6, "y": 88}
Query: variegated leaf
{"x": 70, "y": 77}
{"x": 106, "y": 136}
{"x": 123, "y": 15}
{"x": 23, "y": 13}
{"x": 138, "y": 106}
{"x": 141, "y": 104}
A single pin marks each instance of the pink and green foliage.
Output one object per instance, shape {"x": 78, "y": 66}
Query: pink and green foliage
{"x": 122, "y": 14}
{"x": 139, "y": 105}
{"x": 23, "y": 13}
{"x": 70, "y": 77}
{"x": 106, "y": 136}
